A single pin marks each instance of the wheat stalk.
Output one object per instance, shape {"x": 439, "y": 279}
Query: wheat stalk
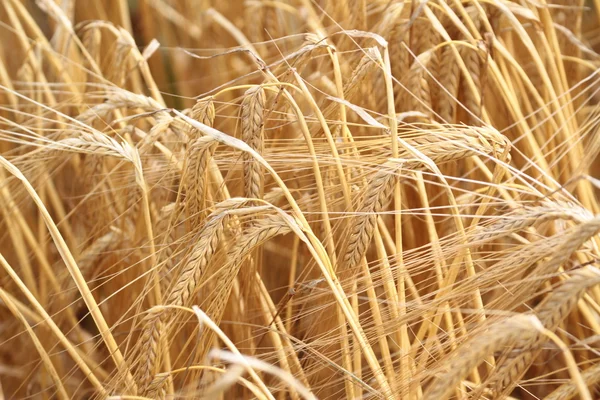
{"x": 190, "y": 275}
{"x": 418, "y": 90}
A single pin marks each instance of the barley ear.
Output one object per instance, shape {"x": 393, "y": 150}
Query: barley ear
{"x": 253, "y": 110}
{"x": 468, "y": 356}
{"x": 376, "y": 195}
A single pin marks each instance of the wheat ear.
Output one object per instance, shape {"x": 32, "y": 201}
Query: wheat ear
{"x": 469, "y": 355}
{"x": 567, "y": 391}
{"x": 157, "y": 389}
{"x": 449, "y": 79}
{"x": 204, "y": 112}
{"x": 253, "y": 109}
{"x": 551, "y": 313}
{"x": 194, "y": 265}
{"x": 167, "y": 221}
{"x": 366, "y": 65}
{"x": 90, "y": 256}
{"x": 419, "y": 93}
{"x": 456, "y": 144}
{"x": 530, "y": 216}
{"x": 571, "y": 242}
{"x": 263, "y": 228}
{"x": 473, "y": 100}
{"x": 95, "y": 143}
{"x": 199, "y": 153}
{"x": 558, "y": 248}
{"x": 119, "y": 98}
{"x": 149, "y": 342}
{"x": 376, "y": 195}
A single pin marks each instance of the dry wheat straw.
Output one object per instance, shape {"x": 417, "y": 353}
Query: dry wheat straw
{"x": 69, "y": 261}
{"x": 61, "y": 391}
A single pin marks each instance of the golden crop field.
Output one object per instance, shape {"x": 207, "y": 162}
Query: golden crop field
{"x": 299, "y": 199}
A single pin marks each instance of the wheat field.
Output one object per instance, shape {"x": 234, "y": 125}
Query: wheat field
{"x": 299, "y": 199}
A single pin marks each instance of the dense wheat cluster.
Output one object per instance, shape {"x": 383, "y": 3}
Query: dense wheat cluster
{"x": 299, "y": 199}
